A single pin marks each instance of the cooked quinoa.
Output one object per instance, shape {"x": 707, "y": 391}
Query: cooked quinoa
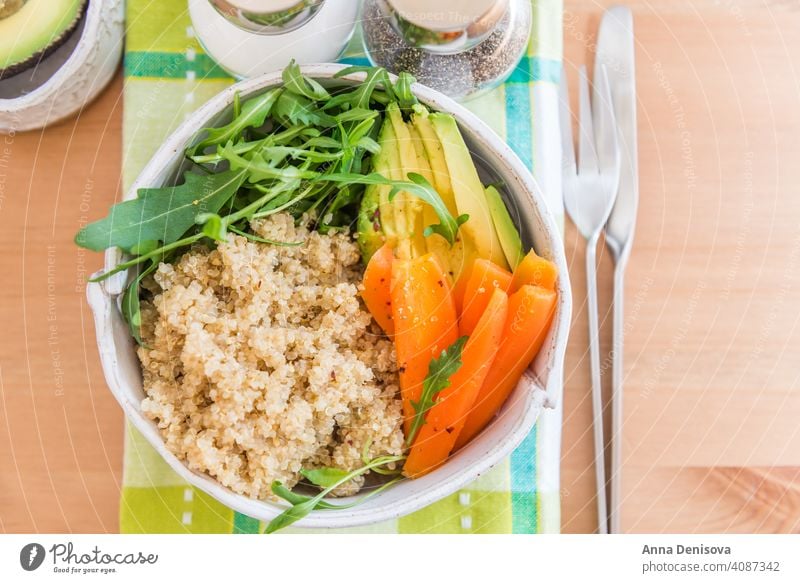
{"x": 260, "y": 360}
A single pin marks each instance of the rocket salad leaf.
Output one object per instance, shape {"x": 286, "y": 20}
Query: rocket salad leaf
{"x": 161, "y": 214}
{"x": 253, "y": 113}
{"x": 131, "y": 308}
{"x": 439, "y": 372}
{"x": 302, "y": 506}
{"x": 323, "y": 477}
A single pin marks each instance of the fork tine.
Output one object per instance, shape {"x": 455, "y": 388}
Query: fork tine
{"x": 587, "y": 155}
{"x": 565, "y": 122}
{"x": 608, "y": 153}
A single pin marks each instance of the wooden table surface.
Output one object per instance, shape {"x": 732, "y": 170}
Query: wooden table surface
{"x": 711, "y": 432}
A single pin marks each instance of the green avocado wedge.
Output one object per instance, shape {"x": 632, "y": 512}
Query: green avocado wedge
{"x": 33, "y": 29}
{"x": 375, "y": 221}
{"x": 509, "y": 237}
{"x": 370, "y": 235}
{"x": 470, "y": 197}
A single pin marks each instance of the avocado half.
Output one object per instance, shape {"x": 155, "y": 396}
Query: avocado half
{"x": 32, "y": 29}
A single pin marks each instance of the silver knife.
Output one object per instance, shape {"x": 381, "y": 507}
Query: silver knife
{"x": 615, "y": 51}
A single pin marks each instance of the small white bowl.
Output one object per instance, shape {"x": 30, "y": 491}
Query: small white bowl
{"x": 65, "y": 81}
{"x": 541, "y": 386}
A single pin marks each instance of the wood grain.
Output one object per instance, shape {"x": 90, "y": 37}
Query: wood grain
{"x": 711, "y": 333}
{"x": 60, "y": 429}
{"x": 711, "y": 433}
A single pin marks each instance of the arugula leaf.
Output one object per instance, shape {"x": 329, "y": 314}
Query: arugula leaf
{"x": 292, "y": 109}
{"x": 402, "y": 88}
{"x": 439, "y": 372}
{"x": 131, "y": 307}
{"x": 298, "y": 84}
{"x": 417, "y": 186}
{"x": 365, "y": 91}
{"x": 323, "y": 142}
{"x": 356, "y": 114}
{"x": 272, "y": 140}
{"x": 291, "y": 515}
{"x": 354, "y": 69}
{"x": 161, "y": 214}
{"x": 156, "y": 255}
{"x": 323, "y": 477}
{"x": 145, "y": 247}
{"x": 258, "y": 169}
{"x": 293, "y": 498}
{"x": 299, "y": 499}
{"x": 369, "y": 144}
{"x": 253, "y": 113}
{"x": 303, "y": 506}
{"x": 213, "y": 226}
{"x": 275, "y": 155}
{"x": 237, "y": 104}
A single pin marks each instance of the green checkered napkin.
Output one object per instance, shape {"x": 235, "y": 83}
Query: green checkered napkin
{"x": 167, "y": 76}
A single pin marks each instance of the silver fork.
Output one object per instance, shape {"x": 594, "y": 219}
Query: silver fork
{"x": 589, "y": 193}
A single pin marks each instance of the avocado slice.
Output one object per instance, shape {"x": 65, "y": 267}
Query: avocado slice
{"x": 478, "y": 232}
{"x": 370, "y": 235}
{"x": 32, "y": 29}
{"x": 435, "y": 156}
{"x": 507, "y": 232}
{"x": 375, "y": 224}
{"x": 429, "y": 156}
{"x": 427, "y": 216}
{"x": 393, "y": 212}
{"x": 406, "y": 162}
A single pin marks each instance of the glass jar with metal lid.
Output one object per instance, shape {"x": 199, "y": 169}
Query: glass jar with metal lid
{"x": 251, "y": 37}
{"x": 459, "y": 47}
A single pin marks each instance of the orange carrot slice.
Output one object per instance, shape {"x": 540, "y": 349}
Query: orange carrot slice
{"x": 460, "y": 287}
{"x": 534, "y": 270}
{"x": 377, "y": 286}
{"x": 424, "y": 322}
{"x": 484, "y": 278}
{"x": 446, "y": 418}
{"x": 530, "y": 311}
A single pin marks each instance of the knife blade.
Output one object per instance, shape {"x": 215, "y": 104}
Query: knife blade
{"x": 615, "y": 52}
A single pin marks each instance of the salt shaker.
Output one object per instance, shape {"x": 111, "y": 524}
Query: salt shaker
{"x": 459, "y": 47}
{"x": 252, "y": 37}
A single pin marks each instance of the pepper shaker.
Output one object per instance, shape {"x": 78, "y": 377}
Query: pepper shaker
{"x": 252, "y": 37}
{"x": 459, "y": 47}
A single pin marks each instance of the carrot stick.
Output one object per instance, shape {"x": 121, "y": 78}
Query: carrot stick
{"x": 424, "y": 322}
{"x": 530, "y": 311}
{"x": 446, "y": 418}
{"x": 484, "y": 277}
{"x": 460, "y": 287}
{"x": 377, "y": 285}
{"x": 534, "y": 270}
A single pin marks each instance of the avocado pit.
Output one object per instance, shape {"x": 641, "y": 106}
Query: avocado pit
{"x": 30, "y": 30}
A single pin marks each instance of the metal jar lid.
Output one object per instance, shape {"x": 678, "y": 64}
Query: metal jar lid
{"x": 268, "y": 16}
{"x": 444, "y": 26}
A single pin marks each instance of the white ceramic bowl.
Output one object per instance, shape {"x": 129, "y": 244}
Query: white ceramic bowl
{"x": 539, "y": 387}
{"x": 71, "y": 77}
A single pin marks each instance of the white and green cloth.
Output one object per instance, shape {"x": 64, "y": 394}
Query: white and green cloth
{"x": 167, "y": 76}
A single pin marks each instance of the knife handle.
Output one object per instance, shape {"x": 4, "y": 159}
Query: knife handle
{"x": 618, "y": 346}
